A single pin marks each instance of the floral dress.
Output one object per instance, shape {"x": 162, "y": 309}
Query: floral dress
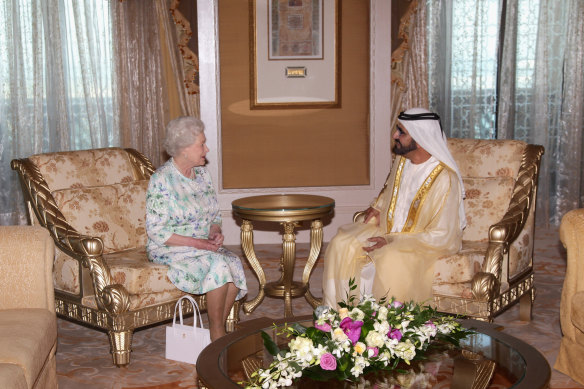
{"x": 188, "y": 207}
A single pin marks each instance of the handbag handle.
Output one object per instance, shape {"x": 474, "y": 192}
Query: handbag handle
{"x": 195, "y": 310}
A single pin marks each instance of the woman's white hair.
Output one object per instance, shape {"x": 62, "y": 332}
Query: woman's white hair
{"x": 182, "y": 132}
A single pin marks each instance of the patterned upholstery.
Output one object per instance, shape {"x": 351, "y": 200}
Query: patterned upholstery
{"x": 93, "y": 202}
{"x": 494, "y": 268}
{"x": 84, "y": 168}
{"x": 114, "y": 213}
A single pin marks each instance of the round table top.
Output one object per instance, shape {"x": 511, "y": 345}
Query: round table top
{"x": 518, "y": 364}
{"x": 283, "y": 207}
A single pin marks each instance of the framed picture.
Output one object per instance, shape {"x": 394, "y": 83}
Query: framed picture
{"x": 295, "y": 51}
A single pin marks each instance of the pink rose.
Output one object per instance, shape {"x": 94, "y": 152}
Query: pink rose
{"x": 394, "y": 334}
{"x": 326, "y": 327}
{"x": 397, "y": 304}
{"x": 328, "y": 362}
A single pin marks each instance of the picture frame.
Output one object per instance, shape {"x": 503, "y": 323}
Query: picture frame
{"x": 294, "y": 54}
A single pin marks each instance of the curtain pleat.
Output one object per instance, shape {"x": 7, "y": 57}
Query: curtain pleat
{"x": 142, "y": 91}
{"x": 536, "y": 58}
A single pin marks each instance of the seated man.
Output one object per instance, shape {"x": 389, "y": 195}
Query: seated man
{"x": 417, "y": 217}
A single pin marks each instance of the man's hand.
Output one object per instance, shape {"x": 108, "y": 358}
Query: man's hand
{"x": 378, "y": 242}
{"x": 371, "y": 213}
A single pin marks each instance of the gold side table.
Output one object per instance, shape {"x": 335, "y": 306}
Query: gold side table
{"x": 288, "y": 210}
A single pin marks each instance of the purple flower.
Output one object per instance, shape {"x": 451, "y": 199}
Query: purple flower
{"x": 325, "y": 327}
{"x": 396, "y": 304}
{"x": 328, "y": 362}
{"x": 430, "y": 324}
{"x": 375, "y": 351}
{"x": 351, "y": 328}
{"x": 394, "y": 333}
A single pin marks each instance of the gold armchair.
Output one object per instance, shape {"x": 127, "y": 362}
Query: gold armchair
{"x": 571, "y": 354}
{"x": 494, "y": 268}
{"x": 93, "y": 203}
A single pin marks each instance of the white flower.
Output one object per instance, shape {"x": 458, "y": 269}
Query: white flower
{"x": 385, "y": 357}
{"x": 357, "y": 314}
{"x": 302, "y": 348}
{"x": 382, "y": 326}
{"x": 375, "y": 339}
{"x": 343, "y": 313}
{"x": 382, "y": 313}
{"x": 360, "y": 364}
{"x": 405, "y": 350}
{"x": 446, "y": 327}
{"x": 339, "y": 335}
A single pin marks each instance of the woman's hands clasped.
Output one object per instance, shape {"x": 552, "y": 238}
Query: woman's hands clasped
{"x": 213, "y": 241}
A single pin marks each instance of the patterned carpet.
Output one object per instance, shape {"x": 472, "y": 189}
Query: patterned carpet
{"x": 83, "y": 359}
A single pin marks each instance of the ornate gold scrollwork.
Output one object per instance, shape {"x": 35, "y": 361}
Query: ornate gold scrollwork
{"x": 141, "y": 164}
{"x": 484, "y": 286}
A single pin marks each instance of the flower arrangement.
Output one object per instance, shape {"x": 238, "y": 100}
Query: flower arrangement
{"x": 361, "y": 337}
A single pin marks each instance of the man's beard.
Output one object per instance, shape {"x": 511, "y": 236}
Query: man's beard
{"x": 400, "y": 149}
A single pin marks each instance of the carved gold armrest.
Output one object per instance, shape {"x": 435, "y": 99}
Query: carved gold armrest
{"x": 502, "y": 234}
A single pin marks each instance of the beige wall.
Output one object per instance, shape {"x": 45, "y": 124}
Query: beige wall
{"x": 294, "y": 147}
{"x": 348, "y": 198}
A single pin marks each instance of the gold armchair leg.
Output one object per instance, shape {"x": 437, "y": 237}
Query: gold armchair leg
{"x": 121, "y": 346}
{"x": 233, "y": 317}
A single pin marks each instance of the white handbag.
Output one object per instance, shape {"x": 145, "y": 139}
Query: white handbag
{"x": 183, "y": 342}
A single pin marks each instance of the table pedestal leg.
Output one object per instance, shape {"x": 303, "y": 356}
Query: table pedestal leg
{"x": 315, "y": 246}
{"x": 247, "y": 245}
{"x": 288, "y": 260}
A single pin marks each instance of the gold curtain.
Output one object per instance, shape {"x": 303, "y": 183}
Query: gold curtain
{"x": 409, "y": 84}
{"x": 150, "y": 73}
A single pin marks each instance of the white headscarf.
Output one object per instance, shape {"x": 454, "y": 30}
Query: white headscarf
{"x": 428, "y": 134}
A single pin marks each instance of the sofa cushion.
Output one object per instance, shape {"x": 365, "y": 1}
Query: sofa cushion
{"x": 63, "y": 170}
{"x": 138, "y": 275}
{"x": 27, "y": 337}
{"x": 460, "y": 267}
{"x": 12, "y": 376}
{"x": 486, "y": 201}
{"x": 130, "y": 268}
{"x": 114, "y": 213}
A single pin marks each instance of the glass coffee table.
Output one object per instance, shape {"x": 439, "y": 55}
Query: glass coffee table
{"x": 289, "y": 210}
{"x": 486, "y": 359}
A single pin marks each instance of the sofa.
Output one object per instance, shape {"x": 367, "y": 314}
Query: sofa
{"x": 571, "y": 356}
{"x": 93, "y": 203}
{"x": 28, "y": 323}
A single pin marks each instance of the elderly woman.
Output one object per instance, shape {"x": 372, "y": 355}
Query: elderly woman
{"x": 184, "y": 225}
